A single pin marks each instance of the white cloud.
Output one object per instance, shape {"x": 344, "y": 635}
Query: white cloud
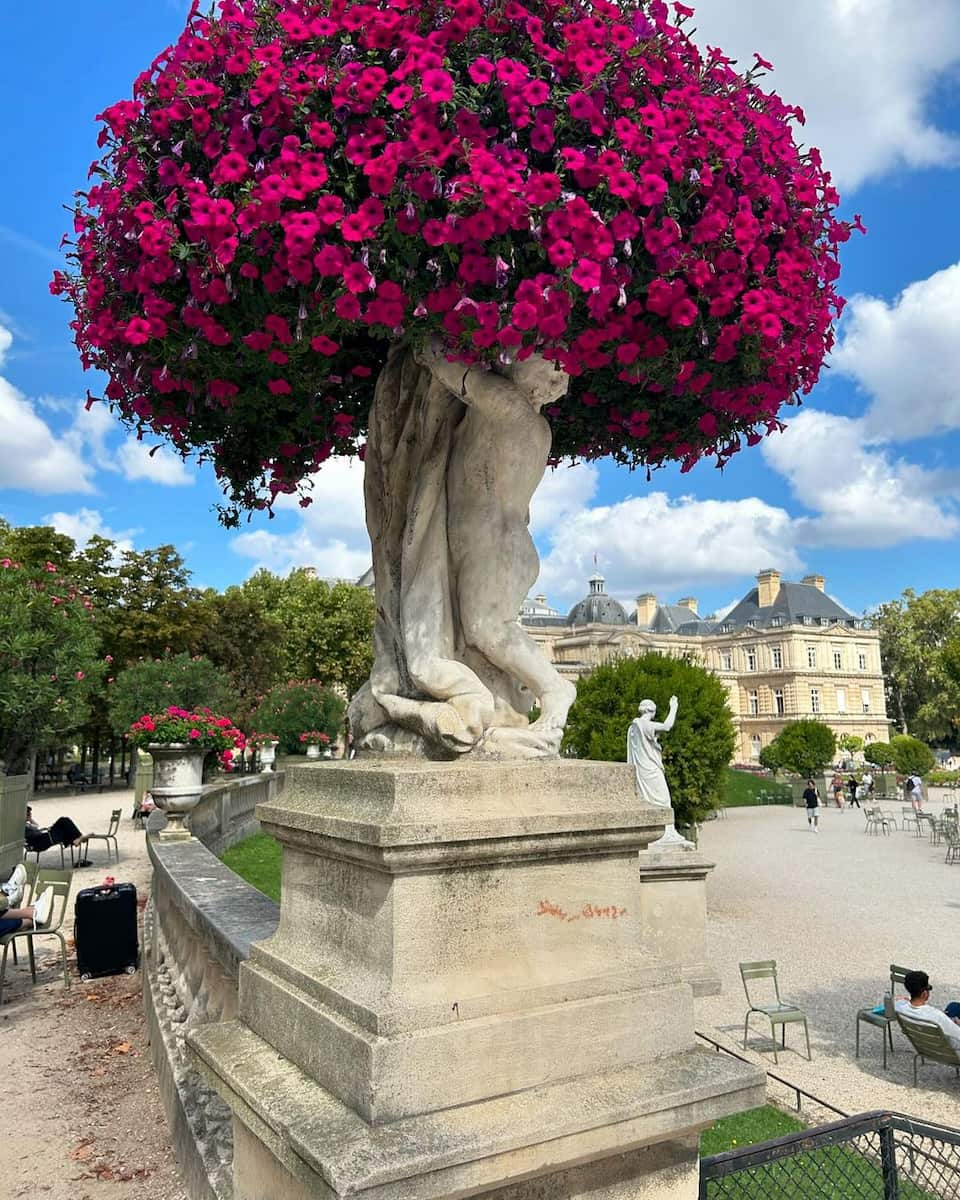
{"x": 282, "y": 552}
{"x": 562, "y": 493}
{"x": 84, "y": 524}
{"x": 162, "y": 466}
{"x": 863, "y": 71}
{"x": 337, "y": 494}
{"x": 906, "y": 354}
{"x": 653, "y": 543}
{"x": 864, "y": 496}
{"x": 32, "y": 457}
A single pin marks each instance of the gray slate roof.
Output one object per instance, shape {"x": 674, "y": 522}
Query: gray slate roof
{"x": 794, "y": 602}
{"x": 597, "y": 609}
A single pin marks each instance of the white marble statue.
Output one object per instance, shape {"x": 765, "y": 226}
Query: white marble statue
{"x": 453, "y": 458}
{"x": 643, "y": 752}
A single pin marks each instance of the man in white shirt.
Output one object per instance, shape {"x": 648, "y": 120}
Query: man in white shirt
{"x": 917, "y": 984}
{"x": 914, "y": 786}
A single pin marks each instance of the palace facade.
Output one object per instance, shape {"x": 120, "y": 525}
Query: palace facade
{"x": 786, "y": 651}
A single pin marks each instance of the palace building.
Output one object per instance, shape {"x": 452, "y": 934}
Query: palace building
{"x": 786, "y": 651}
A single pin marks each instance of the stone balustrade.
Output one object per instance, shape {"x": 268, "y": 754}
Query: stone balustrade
{"x": 198, "y": 928}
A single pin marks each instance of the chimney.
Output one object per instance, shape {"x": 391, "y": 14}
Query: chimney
{"x": 816, "y": 581}
{"x": 541, "y": 600}
{"x": 689, "y": 602}
{"x": 768, "y": 587}
{"x": 646, "y": 610}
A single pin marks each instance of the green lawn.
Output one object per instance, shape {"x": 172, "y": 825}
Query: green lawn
{"x": 257, "y": 860}
{"x": 744, "y": 1129}
{"x": 744, "y": 788}
{"x": 835, "y": 1171}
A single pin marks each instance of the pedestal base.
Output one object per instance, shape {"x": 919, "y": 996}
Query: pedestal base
{"x": 621, "y": 1135}
{"x": 463, "y": 996}
{"x": 673, "y": 912}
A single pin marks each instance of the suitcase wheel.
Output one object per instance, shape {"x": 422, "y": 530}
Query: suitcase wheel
{"x": 86, "y": 977}
{"x": 131, "y": 969}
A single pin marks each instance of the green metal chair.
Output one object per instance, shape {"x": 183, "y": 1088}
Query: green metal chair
{"x": 951, "y": 838}
{"x": 83, "y": 845}
{"x": 781, "y": 1012}
{"x": 929, "y": 1043}
{"x": 887, "y": 1019}
{"x": 60, "y": 881}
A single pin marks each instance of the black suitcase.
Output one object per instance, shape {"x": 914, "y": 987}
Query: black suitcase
{"x": 105, "y": 930}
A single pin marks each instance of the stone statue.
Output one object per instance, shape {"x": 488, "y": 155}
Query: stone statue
{"x": 643, "y": 752}
{"x": 454, "y": 456}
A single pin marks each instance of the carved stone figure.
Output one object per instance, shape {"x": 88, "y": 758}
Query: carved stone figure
{"x": 453, "y": 458}
{"x": 644, "y": 754}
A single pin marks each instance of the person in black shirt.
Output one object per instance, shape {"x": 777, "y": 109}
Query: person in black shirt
{"x": 853, "y": 785}
{"x": 812, "y": 801}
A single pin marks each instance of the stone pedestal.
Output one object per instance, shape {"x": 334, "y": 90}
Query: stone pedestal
{"x": 459, "y": 999}
{"x": 673, "y": 913}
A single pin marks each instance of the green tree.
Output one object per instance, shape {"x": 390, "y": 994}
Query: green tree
{"x": 918, "y": 644}
{"x": 695, "y": 752}
{"x": 881, "y": 754}
{"x": 299, "y": 707}
{"x": 851, "y": 743}
{"x": 49, "y": 661}
{"x": 246, "y": 643}
{"x": 154, "y": 684}
{"x": 328, "y": 627}
{"x": 36, "y": 545}
{"x": 770, "y": 757}
{"x": 802, "y": 747}
{"x": 154, "y": 610}
{"x": 911, "y": 756}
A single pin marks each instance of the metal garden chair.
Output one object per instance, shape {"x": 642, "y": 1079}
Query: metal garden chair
{"x": 60, "y": 882}
{"x": 887, "y": 1019}
{"x": 929, "y": 1043}
{"x": 780, "y": 1012}
{"x": 108, "y": 837}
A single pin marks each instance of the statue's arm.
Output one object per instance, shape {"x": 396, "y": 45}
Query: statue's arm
{"x": 488, "y": 392}
{"x": 667, "y": 724}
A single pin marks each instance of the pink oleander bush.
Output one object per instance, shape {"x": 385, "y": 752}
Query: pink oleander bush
{"x": 296, "y": 185}
{"x": 201, "y": 730}
{"x": 315, "y": 738}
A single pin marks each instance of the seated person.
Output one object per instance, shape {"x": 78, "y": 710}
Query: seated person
{"x": 76, "y": 776}
{"x": 917, "y": 984}
{"x": 62, "y": 832}
{"x": 34, "y": 916}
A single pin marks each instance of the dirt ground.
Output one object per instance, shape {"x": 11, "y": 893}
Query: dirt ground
{"x": 82, "y": 1118}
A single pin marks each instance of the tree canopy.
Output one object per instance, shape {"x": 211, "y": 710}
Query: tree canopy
{"x": 695, "y": 752}
{"x": 920, "y": 650}
{"x": 49, "y": 660}
{"x": 801, "y": 747}
{"x": 881, "y": 754}
{"x": 296, "y": 186}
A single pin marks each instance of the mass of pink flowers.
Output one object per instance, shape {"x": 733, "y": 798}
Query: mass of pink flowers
{"x": 202, "y": 730}
{"x": 295, "y": 186}
{"x": 314, "y": 737}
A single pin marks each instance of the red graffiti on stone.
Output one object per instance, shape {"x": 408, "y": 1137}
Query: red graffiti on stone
{"x": 589, "y": 912}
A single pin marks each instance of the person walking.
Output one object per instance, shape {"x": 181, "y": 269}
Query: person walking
{"x": 914, "y": 788}
{"x": 853, "y": 785}
{"x": 837, "y": 785}
{"x": 812, "y": 800}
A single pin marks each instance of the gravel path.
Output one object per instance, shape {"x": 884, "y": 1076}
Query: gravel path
{"x": 85, "y": 1122}
{"x": 834, "y": 909}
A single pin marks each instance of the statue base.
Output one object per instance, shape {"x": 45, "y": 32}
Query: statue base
{"x": 459, "y": 999}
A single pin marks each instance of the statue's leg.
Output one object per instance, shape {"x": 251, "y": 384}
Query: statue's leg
{"x": 490, "y": 628}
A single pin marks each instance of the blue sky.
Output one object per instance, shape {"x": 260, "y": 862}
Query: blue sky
{"x": 863, "y": 488}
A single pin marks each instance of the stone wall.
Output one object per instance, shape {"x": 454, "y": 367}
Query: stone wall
{"x": 198, "y": 928}
{"x": 14, "y": 798}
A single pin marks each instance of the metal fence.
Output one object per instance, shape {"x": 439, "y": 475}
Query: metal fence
{"x": 875, "y": 1156}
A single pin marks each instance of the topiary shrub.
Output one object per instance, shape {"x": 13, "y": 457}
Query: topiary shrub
{"x": 695, "y": 752}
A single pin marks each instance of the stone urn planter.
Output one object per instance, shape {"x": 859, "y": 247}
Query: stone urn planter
{"x": 268, "y": 756}
{"x": 177, "y": 784}
{"x": 313, "y": 749}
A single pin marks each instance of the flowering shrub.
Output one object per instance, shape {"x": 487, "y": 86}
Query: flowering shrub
{"x": 296, "y": 185}
{"x": 302, "y": 704}
{"x": 315, "y": 738}
{"x": 262, "y": 739}
{"x": 49, "y": 659}
{"x": 202, "y": 730}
